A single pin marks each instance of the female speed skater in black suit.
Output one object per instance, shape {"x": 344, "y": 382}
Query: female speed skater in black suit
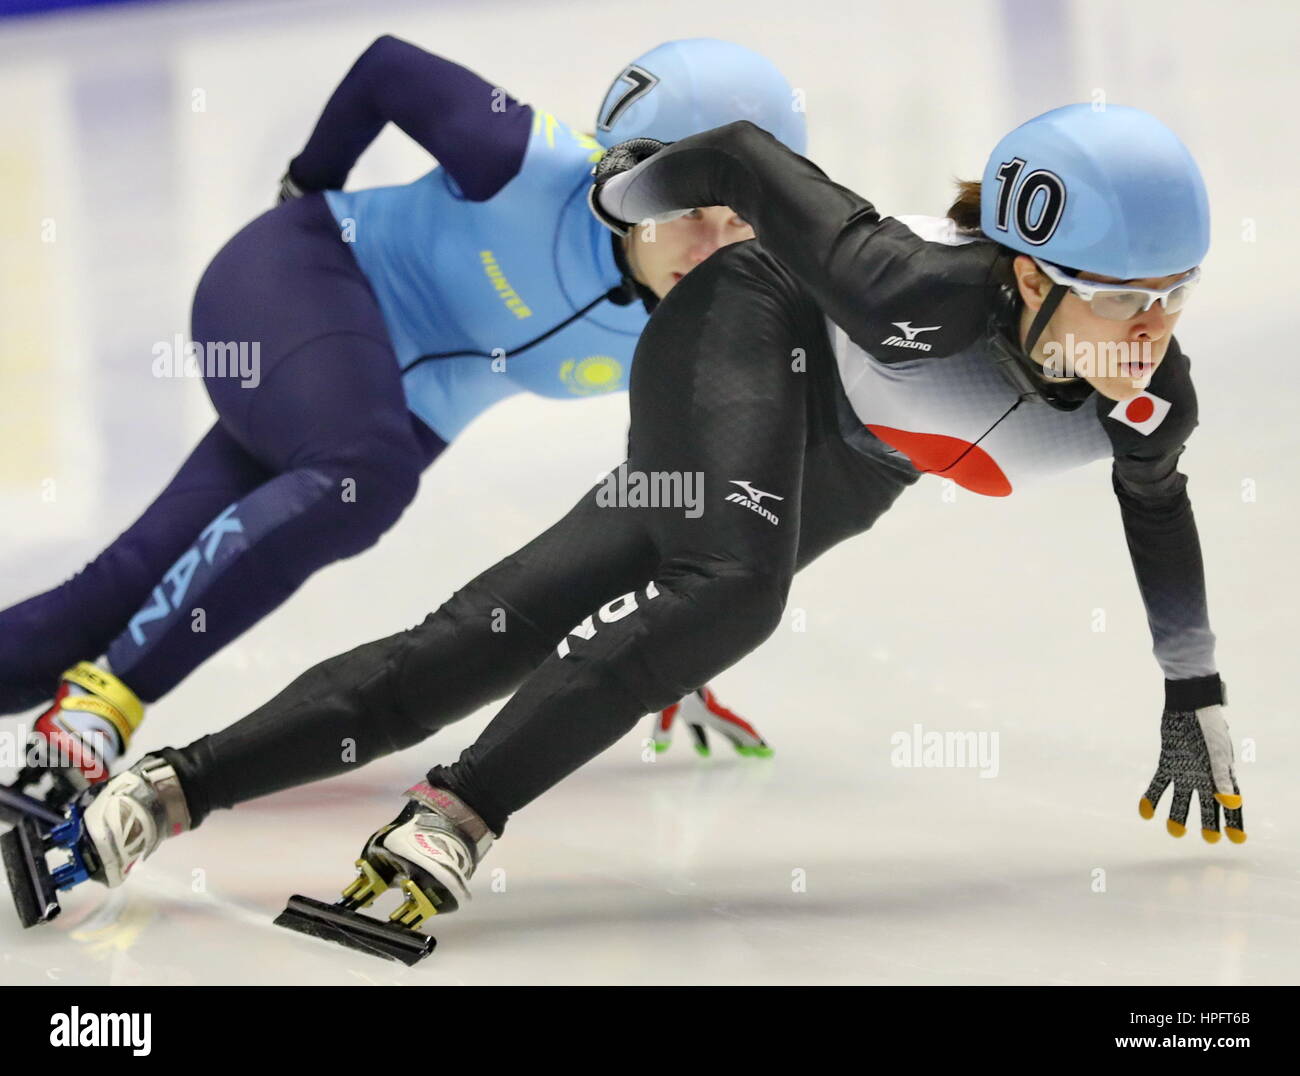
{"x": 808, "y": 377}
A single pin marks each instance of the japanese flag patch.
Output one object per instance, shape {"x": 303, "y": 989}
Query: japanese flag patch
{"x": 1144, "y": 412}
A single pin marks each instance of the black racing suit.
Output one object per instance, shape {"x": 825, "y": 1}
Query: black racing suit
{"x": 747, "y": 375}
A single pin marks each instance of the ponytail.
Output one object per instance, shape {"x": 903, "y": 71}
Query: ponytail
{"x": 965, "y": 211}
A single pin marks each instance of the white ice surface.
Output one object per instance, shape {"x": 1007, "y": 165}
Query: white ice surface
{"x": 826, "y": 864}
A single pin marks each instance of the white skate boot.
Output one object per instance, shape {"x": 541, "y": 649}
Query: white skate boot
{"x": 429, "y": 851}
{"x": 128, "y": 818}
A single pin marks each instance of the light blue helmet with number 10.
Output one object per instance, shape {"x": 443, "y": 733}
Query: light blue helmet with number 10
{"x": 684, "y": 87}
{"x": 1110, "y": 191}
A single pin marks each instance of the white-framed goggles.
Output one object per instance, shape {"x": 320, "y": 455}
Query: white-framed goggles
{"x": 1119, "y": 302}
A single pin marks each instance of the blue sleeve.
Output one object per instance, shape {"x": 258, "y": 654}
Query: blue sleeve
{"x": 473, "y": 129}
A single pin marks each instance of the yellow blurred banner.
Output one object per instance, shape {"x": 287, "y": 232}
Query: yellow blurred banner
{"x": 34, "y": 274}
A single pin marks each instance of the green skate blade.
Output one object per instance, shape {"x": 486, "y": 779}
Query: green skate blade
{"x": 330, "y": 922}
{"x": 35, "y": 898}
{"x": 15, "y": 805}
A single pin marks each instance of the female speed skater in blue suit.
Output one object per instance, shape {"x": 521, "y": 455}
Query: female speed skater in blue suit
{"x": 385, "y": 321}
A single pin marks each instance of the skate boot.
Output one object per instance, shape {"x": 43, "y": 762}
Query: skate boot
{"x": 127, "y": 819}
{"x": 107, "y": 830}
{"x": 73, "y": 743}
{"x": 429, "y": 852}
{"x": 700, "y": 711}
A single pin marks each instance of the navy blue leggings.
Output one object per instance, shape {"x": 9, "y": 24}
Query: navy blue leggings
{"x": 309, "y": 465}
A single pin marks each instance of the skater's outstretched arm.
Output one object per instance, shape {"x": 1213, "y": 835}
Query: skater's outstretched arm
{"x": 474, "y": 129}
{"x": 1196, "y": 749}
{"x": 849, "y": 258}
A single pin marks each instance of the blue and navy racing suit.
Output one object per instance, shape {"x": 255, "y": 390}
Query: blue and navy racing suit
{"x": 339, "y": 301}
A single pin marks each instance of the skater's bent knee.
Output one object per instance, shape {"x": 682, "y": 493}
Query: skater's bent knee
{"x": 367, "y": 500}
{"x": 734, "y": 608}
{"x": 751, "y": 604}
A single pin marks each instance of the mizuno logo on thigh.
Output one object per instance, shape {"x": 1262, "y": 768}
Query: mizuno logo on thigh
{"x": 752, "y": 498}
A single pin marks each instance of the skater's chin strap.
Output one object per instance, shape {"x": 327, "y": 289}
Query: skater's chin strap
{"x": 1020, "y": 371}
{"x": 1044, "y": 315}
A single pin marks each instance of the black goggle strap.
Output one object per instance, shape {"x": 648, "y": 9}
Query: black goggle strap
{"x": 1044, "y": 315}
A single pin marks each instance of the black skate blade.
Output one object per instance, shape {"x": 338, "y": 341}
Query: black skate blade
{"x": 15, "y": 805}
{"x": 35, "y": 898}
{"x": 333, "y": 923}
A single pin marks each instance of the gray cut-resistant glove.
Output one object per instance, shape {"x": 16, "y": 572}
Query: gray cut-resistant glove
{"x": 1196, "y": 756}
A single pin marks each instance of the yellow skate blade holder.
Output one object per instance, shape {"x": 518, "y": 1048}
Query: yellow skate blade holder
{"x": 415, "y": 909}
{"x": 366, "y": 886}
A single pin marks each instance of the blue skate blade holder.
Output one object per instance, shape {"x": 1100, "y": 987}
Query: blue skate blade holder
{"x": 34, "y": 886}
{"x": 339, "y": 923}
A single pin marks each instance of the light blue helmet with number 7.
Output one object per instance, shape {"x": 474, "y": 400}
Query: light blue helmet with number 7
{"x": 683, "y": 87}
{"x": 1109, "y": 190}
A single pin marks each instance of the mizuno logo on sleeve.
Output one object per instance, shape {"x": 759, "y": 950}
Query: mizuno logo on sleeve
{"x": 909, "y": 337}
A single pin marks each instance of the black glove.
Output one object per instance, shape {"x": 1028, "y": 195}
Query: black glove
{"x": 1196, "y": 755}
{"x": 288, "y": 188}
{"x": 615, "y": 161}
